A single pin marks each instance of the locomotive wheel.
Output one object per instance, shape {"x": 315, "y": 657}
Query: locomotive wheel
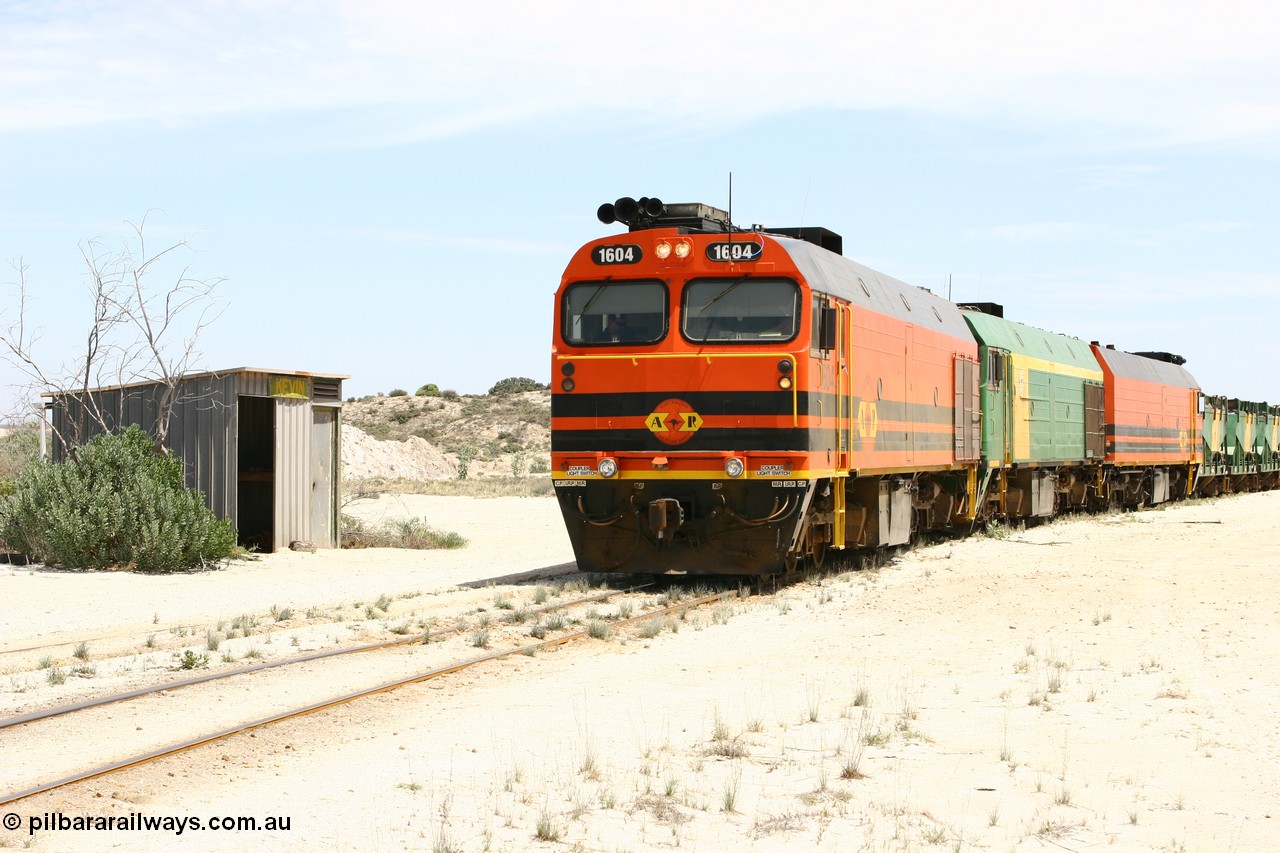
{"x": 819, "y": 554}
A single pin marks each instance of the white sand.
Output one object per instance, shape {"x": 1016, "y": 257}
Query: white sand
{"x": 505, "y": 535}
{"x": 1110, "y": 683}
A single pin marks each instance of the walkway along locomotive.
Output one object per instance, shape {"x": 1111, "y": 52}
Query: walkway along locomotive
{"x": 728, "y": 401}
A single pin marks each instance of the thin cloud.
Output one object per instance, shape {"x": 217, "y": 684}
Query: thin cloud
{"x": 1078, "y": 291}
{"x": 1109, "y": 177}
{"x": 1176, "y": 71}
{"x": 1060, "y": 232}
{"x": 1221, "y": 227}
{"x": 404, "y": 237}
{"x": 1029, "y": 231}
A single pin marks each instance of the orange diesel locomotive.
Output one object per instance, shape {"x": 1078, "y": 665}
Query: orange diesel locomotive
{"x": 738, "y": 402}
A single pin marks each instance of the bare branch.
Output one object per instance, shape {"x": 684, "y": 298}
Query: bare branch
{"x": 138, "y": 330}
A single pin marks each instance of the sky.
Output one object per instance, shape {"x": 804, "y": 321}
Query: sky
{"x": 391, "y": 190}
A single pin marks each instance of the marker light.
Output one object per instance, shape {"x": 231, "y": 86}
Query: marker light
{"x": 607, "y": 467}
{"x": 663, "y": 250}
{"x": 784, "y": 366}
{"x": 683, "y": 249}
{"x": 568, "y": 384}
{"x": 733, "y": 467}
{"x": 567, "y": 368}
{"x": 784, "y": 382}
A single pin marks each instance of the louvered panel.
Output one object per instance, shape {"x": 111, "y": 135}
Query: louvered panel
{"x": 968, "y": 417}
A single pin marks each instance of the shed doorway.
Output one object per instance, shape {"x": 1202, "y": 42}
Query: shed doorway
{"x": 256, "y": 472}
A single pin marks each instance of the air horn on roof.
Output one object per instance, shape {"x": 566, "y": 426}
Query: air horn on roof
{"x": 629, "y": 211}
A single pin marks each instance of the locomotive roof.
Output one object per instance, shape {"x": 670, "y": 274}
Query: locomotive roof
{"x": 1131, "y": 366}
{"x": 827, "y": 272}
{"x": 1027, "y": 340}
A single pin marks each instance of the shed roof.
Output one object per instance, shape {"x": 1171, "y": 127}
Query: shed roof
{"x": 231, "y": 371}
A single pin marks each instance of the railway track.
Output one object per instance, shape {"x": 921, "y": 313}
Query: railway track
{"x": 456, "y": 665}
{"x": 428, "y": 637}
{"x": 556, "y": 573}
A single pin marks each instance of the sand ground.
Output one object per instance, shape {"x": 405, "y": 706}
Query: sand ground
{"x": 1109, "y": 683}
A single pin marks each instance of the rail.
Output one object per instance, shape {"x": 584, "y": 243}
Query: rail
{"x": 290, "y": 661}
{"x": 448, "y": 669}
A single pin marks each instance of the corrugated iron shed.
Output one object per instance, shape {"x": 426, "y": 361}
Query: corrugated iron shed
{"x": 262, "y": 445}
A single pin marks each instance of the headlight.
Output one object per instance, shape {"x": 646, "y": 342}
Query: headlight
{"x": 683, "y": 249}
{"x": 662, "y": 250}
{"x": 607, "y": 468}
{"x": 733, "y": 467}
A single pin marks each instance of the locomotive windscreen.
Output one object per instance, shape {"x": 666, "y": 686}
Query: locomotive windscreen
{"x": 739, "y": 309}
{"x": 610, "y": 312}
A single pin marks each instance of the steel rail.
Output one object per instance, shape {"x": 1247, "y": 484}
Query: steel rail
{"x": 342, "y": 700}
{"x": 547, "y": 572}
{"x": 60, "y": 710}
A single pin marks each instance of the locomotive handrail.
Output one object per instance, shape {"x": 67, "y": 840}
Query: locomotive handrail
{"x": 844, "y": 372}
{"x": 634, "y": 358}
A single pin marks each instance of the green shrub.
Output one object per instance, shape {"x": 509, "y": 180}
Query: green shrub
{"x": 465, "y": 455}
{"x": 116, "y": 503}
{"x": 398, "y": 392}
{"x": 190, "y": 660}
{"x": 514, "y": 385}
{"x": 428, "y": 390}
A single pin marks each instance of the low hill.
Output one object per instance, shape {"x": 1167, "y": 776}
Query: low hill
{"x": 405, "y": 443}
{"x": 453, "y": 437}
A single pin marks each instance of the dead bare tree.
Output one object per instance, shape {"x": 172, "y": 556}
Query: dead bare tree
{"x": 148, "y": 312}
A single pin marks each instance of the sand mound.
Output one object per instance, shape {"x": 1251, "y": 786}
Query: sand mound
{"x": 365, "y": 457}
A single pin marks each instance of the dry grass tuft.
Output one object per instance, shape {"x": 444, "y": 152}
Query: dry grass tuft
{"x": 785, "y": 822}
{"x": 412, "y": 533}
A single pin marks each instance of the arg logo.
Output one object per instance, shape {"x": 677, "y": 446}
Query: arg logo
{"x": 674, "y": 421}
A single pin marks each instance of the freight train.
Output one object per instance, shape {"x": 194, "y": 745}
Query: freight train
{"x": 745, "y": 401}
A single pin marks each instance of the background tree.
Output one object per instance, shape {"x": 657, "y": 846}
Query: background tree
{"x": 147, "y": 311}
{"x": 515, "y": 385}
